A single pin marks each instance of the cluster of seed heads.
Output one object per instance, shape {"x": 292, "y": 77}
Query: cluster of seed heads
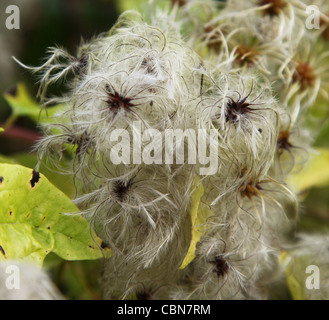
{"x": 236, "y": 68}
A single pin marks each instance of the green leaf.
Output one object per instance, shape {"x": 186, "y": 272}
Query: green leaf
{"x": 199, "y": 214}
{"x": 62, "y": 181}
{"x": 35, "y": 220}
{"x": 125, "y": 5}
{"x": 322, "y": 137}
{"x": 295, "y": 263}
{"x": 294, "y": 277}
{"x": 314, "y": 174}
{"x": 5, "y": 159}
{"x": 23, "y": 105}
{"x": 76, "y": 279}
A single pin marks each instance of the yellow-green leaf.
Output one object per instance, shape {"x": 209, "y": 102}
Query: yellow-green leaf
{"x": 23, "y": 105}
{"x": 293, "y": 278}
{"x": 125, "y": 5}
{"x": 199, "y": 213}
{"x": 5, "y": 159}
{"x": 314, "y": 174}
{"x": 36, "y": 218}
{"x": 62, "y": 181}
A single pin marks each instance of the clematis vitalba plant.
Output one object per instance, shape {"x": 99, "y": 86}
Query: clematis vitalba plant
{"x": 183, "y": 125}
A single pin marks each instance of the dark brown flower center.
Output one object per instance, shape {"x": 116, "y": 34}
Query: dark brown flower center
{"x": 274, "y": 8}
{"x": 325, "y": 25}
{"x": 250, "y": 190}
{"x": 179, "y": 2}
{"x": 115, "y": 101}
{"x": 120, "y": 188}
{"x": 221, "y": 266}
{"x": 213, "y": 37}
{"x": 304, "y": 74}
{"x": 236, "y": 108}
{"x": 283, "y": 141}
{"x": 246, "y": 55}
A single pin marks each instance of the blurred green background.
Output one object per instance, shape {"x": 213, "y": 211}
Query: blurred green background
{"x": 45, "y": 23}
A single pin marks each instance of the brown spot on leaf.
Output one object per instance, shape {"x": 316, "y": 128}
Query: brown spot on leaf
{"x": 1, "y": 180}
{"x": 2, "y": 251}
{"x": 35, "y": 178}
{"x": 104, "y": 245}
